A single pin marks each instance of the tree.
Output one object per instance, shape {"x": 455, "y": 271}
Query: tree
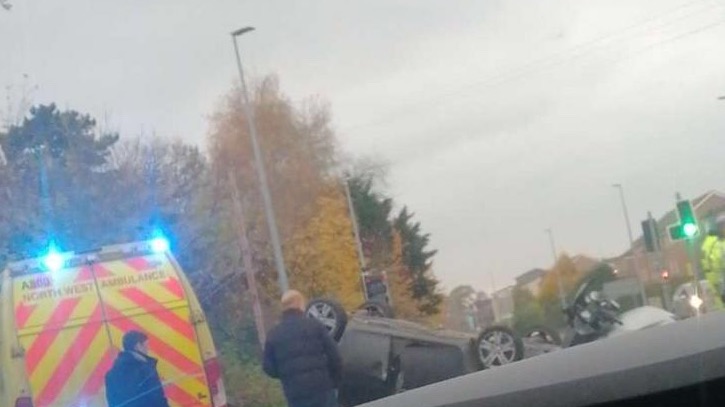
{"x": 299, "y": 153}
{"x": 408, "y": 255}
{"x": 528, "y": 312}
{"x": 399, "y": 282}
{"x": 68, "y": 138}
{"x": 416, "y": 256}
{"x": 166, "y": 185}
{"x": 373, "y": 211}
{"x": 56, "y": 165}
{"x": 298, "y": 149}
{"x": 322, "y": 260}
{"x": 565, "y": 270}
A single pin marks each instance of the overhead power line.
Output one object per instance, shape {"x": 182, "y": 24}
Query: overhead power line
{"x": 570, "y": 54}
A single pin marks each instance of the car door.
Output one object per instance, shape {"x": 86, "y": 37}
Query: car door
{"x": 366, "y": 354}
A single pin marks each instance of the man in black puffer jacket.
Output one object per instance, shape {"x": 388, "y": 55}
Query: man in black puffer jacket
{"x": 133, "y": 381}
{"x": 300, "y": 353}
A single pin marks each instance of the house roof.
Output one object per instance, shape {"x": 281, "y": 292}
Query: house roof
{"x": 671, "y": 217}
{"x": 503, "y": 292}
{"x": 584, "y": 263}
{"x": 529, "y": 276}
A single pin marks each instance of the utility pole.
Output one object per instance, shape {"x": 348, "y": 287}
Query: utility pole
{"x": 247, "y": 262}
{"x": 559, "y": 283}
{"x": 356, "y": 233}
{"x": 625, "y": 212}
{"x": 635, "y": 262}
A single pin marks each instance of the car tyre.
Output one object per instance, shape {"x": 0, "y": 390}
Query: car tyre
{"x": 331, "y": 314}
{"x": 498, "y": 346}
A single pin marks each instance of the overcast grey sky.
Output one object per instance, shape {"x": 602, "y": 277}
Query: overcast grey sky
{"x": 499, "y": 118}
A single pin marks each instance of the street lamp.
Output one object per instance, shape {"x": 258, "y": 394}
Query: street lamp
{"x": 625, "y": 212}
{"x": 559, "y": 283}
{"x": 631, "y": 241}
{"x": 261, "y": 173}
{"x": 241, "y": 31}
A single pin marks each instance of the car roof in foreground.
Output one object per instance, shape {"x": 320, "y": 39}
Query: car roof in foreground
{"x": 644, "y": 362}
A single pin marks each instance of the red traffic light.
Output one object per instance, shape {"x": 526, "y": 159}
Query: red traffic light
{"x": 665, "y": 275}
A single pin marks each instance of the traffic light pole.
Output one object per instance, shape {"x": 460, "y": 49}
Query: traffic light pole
{"x": 694, "y": 259}
{"x": 656, "y": 246}
{"x": 688, "y": 218}
{"x": 666, "y": 300}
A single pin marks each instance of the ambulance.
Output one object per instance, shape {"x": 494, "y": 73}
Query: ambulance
{"x": 62, "y": 317}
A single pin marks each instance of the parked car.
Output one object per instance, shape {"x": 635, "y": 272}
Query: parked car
{"x": 683, "y": 295}
{"x": 383, "y": 356}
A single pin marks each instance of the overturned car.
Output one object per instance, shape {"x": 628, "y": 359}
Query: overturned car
{"x": 383, "y": 356}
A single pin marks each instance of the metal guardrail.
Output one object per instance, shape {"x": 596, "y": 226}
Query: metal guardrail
{"x": 618, "y": 368}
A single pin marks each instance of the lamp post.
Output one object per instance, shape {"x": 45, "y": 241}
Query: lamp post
{"x": 635, "y": 263}
{"x": 559, "y": 284}
{"x": 261, "y": 173}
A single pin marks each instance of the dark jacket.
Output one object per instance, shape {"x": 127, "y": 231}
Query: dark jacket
{"x": 133, "y": 382}
{"x": 300, "y": 352}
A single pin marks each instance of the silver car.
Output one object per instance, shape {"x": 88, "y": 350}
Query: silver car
{"x": 383, "y": 356}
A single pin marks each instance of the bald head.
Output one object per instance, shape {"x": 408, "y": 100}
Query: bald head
{"x": 293, "y": 300}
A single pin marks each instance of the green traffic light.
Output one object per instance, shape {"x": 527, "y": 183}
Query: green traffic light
{"x": 687, "y": 227}
{"x": 690, "y": 229}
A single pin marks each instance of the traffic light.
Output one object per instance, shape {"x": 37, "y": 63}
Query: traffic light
{"x": 687, "y": 227}
{"x": 665, "y": 275}
{"x": 688, "y": 221}
{"x": 377, "y": 287}
{"x": 651, "y": 235}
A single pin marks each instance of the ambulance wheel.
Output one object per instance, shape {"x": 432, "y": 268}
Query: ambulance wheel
{"x": 331, "y": 314}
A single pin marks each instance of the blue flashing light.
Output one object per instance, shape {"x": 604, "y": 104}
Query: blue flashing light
{"x": 53, "y": 260}
{"x": 160, "y": 244}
